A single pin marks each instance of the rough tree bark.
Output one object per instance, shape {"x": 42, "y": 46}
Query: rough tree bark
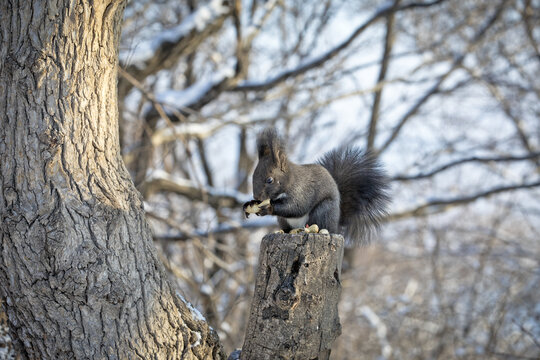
{"x": 78, "y": 270}
{"x": 294, "y": 312}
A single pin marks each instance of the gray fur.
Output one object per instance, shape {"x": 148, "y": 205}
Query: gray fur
{"x": 346, "y": 192}
{"x": 363, "y": 186}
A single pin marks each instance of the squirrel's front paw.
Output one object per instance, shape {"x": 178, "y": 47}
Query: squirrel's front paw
{"x": 251, "y": 207}
{"x": 259, "y": 208}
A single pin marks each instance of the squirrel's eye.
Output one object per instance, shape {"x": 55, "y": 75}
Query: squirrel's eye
{"x": 269, "y": 180}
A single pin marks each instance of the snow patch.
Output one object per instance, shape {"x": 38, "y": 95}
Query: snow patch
{"x": 181, "y": 99}
{"x": 196, "y": 313}
{"x": 192, "y": 129}
{"x": 197, "y": 339}
{"x": 206, "y": 289}
{"x": 159, "y": 174}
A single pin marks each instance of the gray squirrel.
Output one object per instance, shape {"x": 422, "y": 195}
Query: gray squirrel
{"x": 346, "y": 192}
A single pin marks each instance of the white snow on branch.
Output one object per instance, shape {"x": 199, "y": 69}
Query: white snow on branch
{"x": 193, "y": 129}
{"x": 183, "y": 98}
{"x": 179, "y": 100}
{"x": 196, "y": 21}
{"x": 199, "y": 130}
{"x": 158, "y": 174}
{"x": 197, "y": 339}
{"x": 196, "y": 313}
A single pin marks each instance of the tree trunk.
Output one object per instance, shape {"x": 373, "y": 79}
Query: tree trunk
{"x": 294, "y": 312}
{"x": 78, "y": 269}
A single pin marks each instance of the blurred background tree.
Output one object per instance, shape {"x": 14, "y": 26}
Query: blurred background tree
{"x": 445, "y": 92}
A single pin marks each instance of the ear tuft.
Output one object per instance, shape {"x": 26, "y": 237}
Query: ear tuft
{"x": 269, "y": 143}
{"x": 264, "y": 150}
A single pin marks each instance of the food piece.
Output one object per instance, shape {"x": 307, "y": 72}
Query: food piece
{"x": 313, "y": 229}
{"x": 256, "y": 207}
{"x": 297, "y": 231}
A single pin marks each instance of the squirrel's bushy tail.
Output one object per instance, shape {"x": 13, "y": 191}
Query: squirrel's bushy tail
{"x": 363, "y": 187}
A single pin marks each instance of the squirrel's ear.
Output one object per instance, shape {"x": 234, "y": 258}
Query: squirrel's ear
{"x": 281, "y": 160}
{"x": 276, "y": 155}
{"x": 270, "y": 146}
{"x": 267, "y": 143}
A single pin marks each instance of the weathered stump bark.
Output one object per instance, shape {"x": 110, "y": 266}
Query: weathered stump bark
{"x": 294, "y": 311}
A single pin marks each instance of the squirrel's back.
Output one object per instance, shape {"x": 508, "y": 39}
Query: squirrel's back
{"x": 363, "y": 187}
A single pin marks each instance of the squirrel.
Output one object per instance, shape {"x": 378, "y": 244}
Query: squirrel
{"x": 346, "y": 191}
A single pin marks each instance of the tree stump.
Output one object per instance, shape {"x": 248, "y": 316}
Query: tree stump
{"x": 294, "y": 311}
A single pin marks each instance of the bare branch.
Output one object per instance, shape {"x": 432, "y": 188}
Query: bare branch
{"x": 436, "y": 88}
{"x": 196, "y": 129}
{"x": 183, "y": 40}
{"x": 419, "y": 103}
{"x": 330, "y": 54}
{"x": 222, "y": 81}
{"x": 144, "y": 159}
{"x": 188, "y": 189}
{"x": 266, "y": 222}
{"x": 437, "y": 206}
{"x": 451, "y": 164}
{"x": 507, "y": 109}
{"x": 388, "y": 44}
{"x": 204, "y": 160}
{"x": 528, "y": 21}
